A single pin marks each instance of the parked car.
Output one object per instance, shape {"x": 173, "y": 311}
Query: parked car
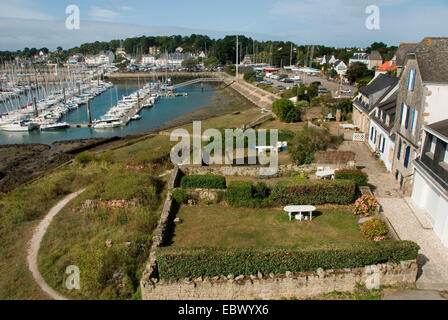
{"x": 346, "y": 91}
{"x": 323, "y": 90}
{"x": 317, "y": 83}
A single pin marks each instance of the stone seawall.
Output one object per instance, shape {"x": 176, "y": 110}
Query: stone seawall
{"x": 290, "y": 285}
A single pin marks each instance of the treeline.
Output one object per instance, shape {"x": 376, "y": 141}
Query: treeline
{"x": 277, "y": 53}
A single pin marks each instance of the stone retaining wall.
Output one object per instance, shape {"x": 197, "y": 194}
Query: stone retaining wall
{"x": 165, "y": 222}
{"x": 290, "y": 285}
{"x": 244, "y": 171}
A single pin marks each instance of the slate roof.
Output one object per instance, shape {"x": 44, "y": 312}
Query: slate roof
{"x": 381, "y": 82}
{"x": 389, "y": 108}
{"x": 375, "y": 55}
{"x": 432, "y": 57}
{"x": 441, "y": 128}
{"x": 402, "y": 51}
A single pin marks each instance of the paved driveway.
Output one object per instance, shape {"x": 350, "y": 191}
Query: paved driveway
{"x": 433, "y": 259}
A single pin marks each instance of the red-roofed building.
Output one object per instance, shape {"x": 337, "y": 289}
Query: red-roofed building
{"x": 388, "y": 66}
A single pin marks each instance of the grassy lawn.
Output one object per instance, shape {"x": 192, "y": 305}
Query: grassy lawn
{"x": 226, "y": 227}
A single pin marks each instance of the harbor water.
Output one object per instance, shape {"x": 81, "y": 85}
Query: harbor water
{"x": 164, "y": 110}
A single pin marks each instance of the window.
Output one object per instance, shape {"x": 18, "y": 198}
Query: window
{"x": 400, "y": 145}
{"x": 411, "y": 79}
{"x": 407, "y": 157}
{"x": 408, "y": 111}
{"x": 403, "y": 114}
{"x": 384, "y": 145}
{"x": 445, "y": 159}
{"x": 371, "y": 134}
{"x": 397, "y": 174}
{"x": 411, "y": 128}
{"x": 433, "y": 144}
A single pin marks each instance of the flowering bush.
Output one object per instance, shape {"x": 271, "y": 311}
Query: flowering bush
{"x": 375, "y": 230}
{"x": 365, "y": 206}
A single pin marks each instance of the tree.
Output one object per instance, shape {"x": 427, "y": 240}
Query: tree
{"x": 249, "y": 76}
{"x": 310, "y": 140}
{"x": 230, "y": 69}
{"x": 190, "y": 64}
{"x": 211, "y": 62}
{"x": 357, "y": 71}
{"x": 286, "y": 110}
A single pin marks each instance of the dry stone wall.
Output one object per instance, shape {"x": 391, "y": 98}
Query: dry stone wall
{"x": 289, "y": 285}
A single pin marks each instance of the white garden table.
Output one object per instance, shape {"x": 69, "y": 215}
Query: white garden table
{"x": 300, "y": 210}
{"x": 326, "y": 173}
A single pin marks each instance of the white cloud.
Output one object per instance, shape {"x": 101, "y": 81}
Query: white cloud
{"x": 21, "y": 9}
{"x": 103, "y": 14}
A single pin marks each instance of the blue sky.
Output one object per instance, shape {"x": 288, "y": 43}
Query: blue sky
{"x": 37, "y": 23}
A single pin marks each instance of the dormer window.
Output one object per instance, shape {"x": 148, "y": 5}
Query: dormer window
{"x": 433, "y": 144}
{"x": 387, "y": 120}
{"x": 376, "y": 113}
{"x": 382, "y": 114}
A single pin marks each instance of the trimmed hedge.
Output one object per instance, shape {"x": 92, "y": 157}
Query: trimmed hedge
{"x": 360, "y": 178}
{"x": 180, "y": 263}
{"x": 239, "y": 194}
{"x": 245, "y": 194}
{"x": 207, "y": 181}
{"x": 314, "y": 192}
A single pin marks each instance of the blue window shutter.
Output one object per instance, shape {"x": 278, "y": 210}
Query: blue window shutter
{"x": 407, "y": 117}
{"x": 409, "y": 79}
{"x": 407, "y": 156}
{"x": 384, "y": 144}
{"x": 412, "y": 120}
{"x": 413, "y": 79}
{"x": 399, "y": 150}
{"x": 402, "y": 112}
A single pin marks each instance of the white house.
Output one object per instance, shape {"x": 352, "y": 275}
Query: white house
{"x": 328, "y": 59}
{"x": 172, "y": 60}
{"x": 148, "y": 59}
{"x": 340, "y": 67}
{"x": 104, "y": 57}
{"x": 430, "y": 191}
{"x": 381, "y": 134}
{"x": 360, "y": 57}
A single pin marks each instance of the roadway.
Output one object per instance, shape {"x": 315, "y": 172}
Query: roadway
{"x": 330, "y": 85}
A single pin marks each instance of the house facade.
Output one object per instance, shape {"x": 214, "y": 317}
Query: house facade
{"x": 368, "y": 97}
{"x": 173, "y": 60}
{"x": 375, "y": 60}
{"x": 430, "y": 191}
{"x": 381, "y": 136}
{"x": 104, "y": 57}
{"x": 340, "y": 67}
{"x": 148, "y": 59}
{"x": 421, "y": 101}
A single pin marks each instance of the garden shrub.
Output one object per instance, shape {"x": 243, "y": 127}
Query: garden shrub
{"x": 180, "y": 195}
{"x": 375, "y": 230}
{"x": 366, "y": 206}
{"x": 240, "y": 194}
{"x": 261, "y": 191}
{"x": 207, "y": 181}
{"x": 310, "y": 140}
{"x": 313, "y": 192}
{"x": 181, "y": 263}
{"x": 359, "y": 177}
